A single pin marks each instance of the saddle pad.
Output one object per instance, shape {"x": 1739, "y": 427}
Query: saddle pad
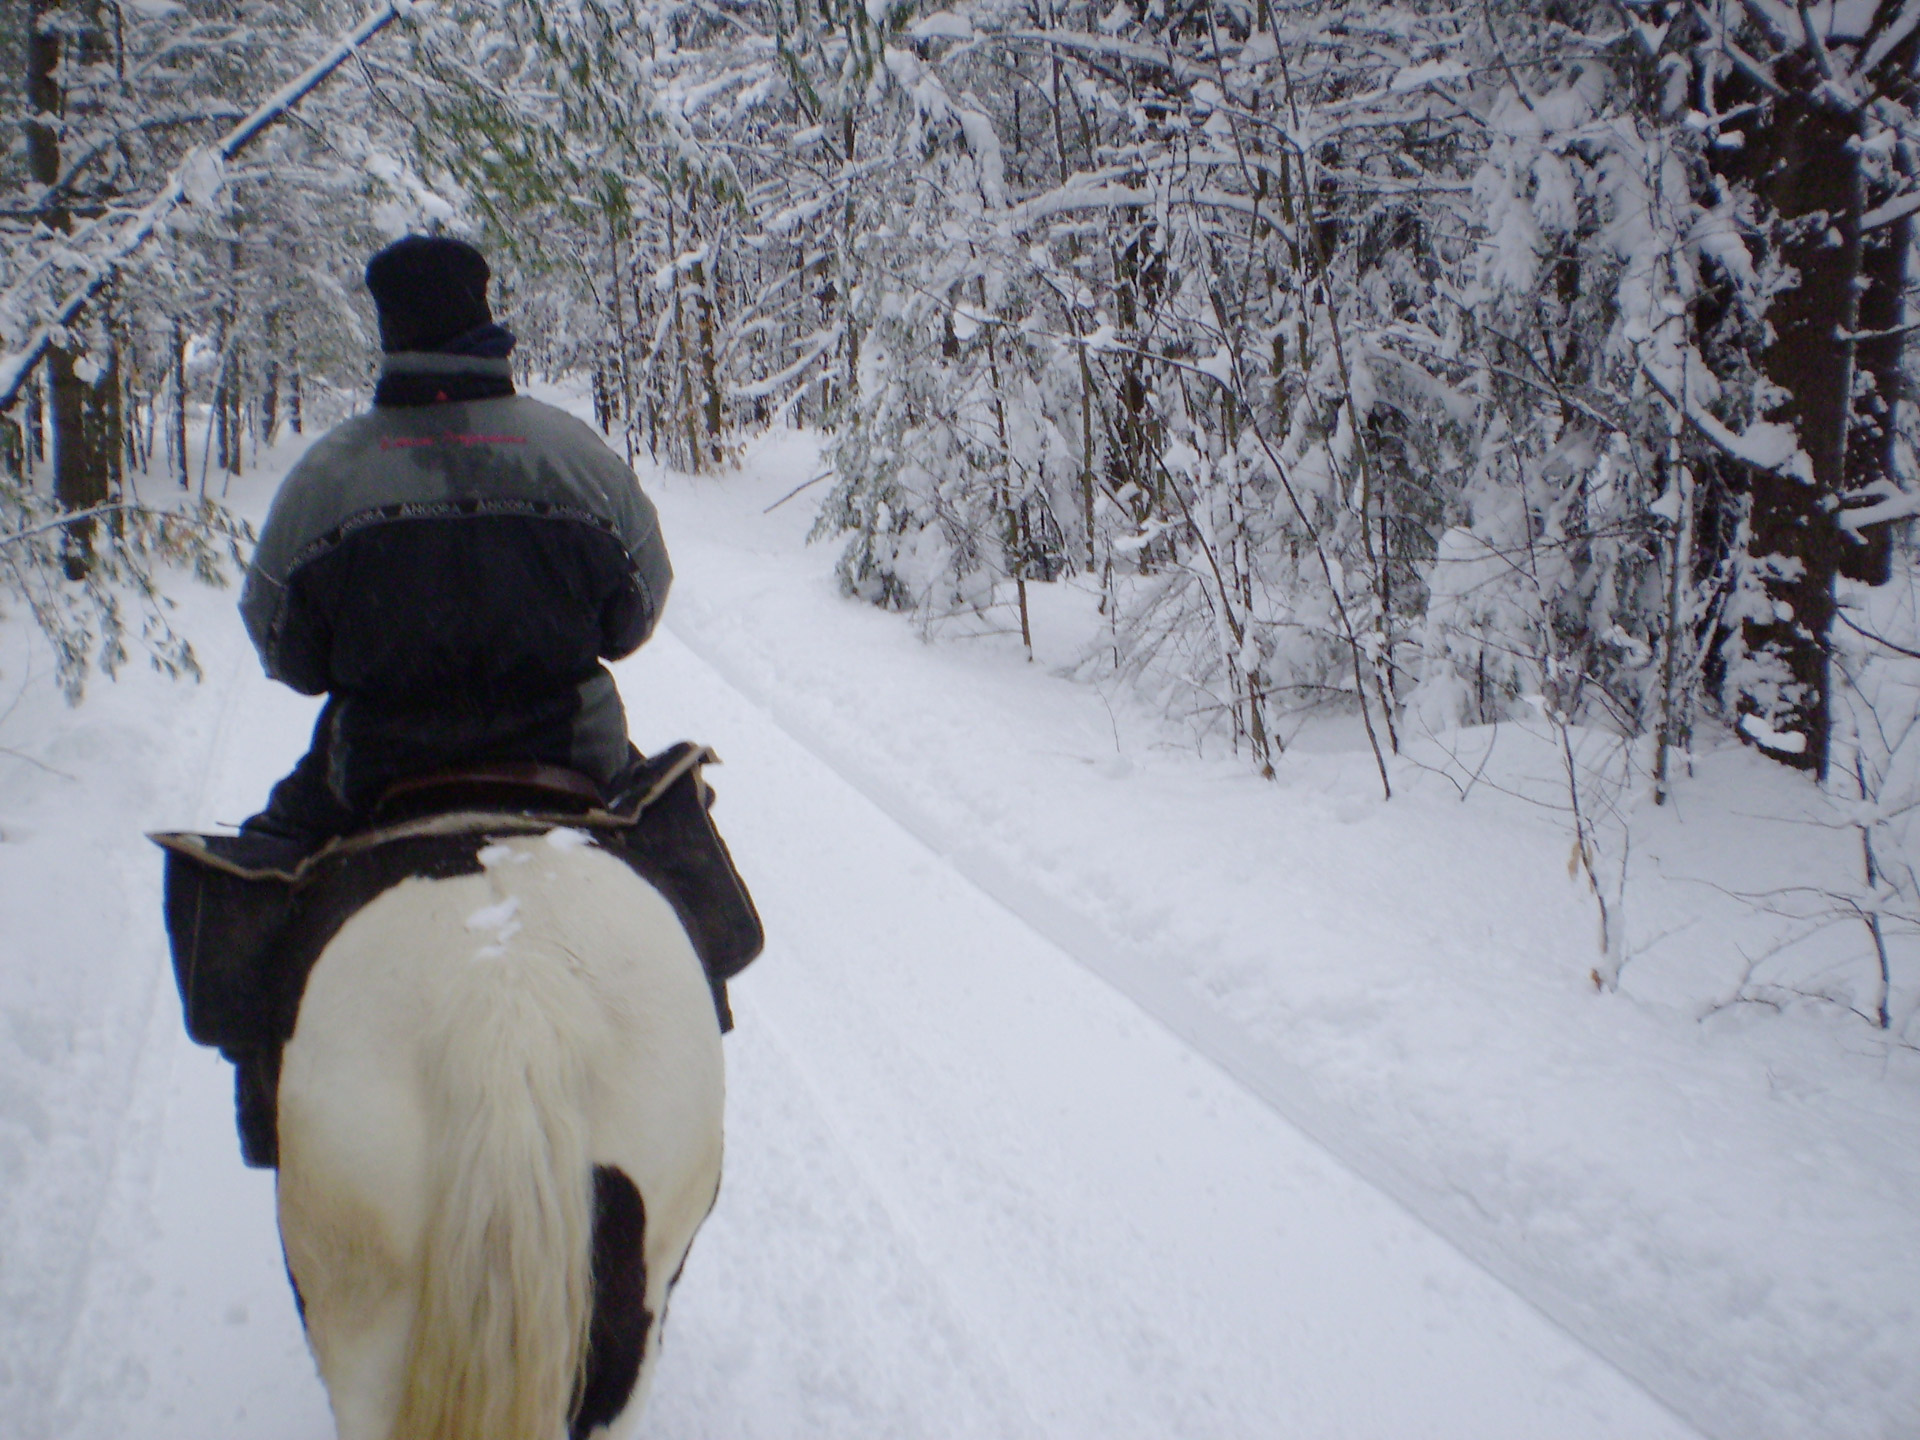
{"x": 248, "y": 915}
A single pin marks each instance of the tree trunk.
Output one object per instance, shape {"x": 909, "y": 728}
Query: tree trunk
{"x": 13, "y": 448}
{"x": 1804, "y": 162}
{"x": 1801, "y": 165}
{"x": 711, "y": 408}
{"x": 79, "y": 470}
{"x": 106, "y": 422}
{"x": 180, "y": 403}
{"x": 270, "y": 403}
{"x": 83, "y": 419}
{"x": 43, "y": 97}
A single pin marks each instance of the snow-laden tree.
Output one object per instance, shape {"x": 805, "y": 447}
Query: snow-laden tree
{"x": 1425, "y": 356}
{"x": 1808, "y": 116}
{"x": 171, "y": 249}
{"x": 679, "y": 190}
{"x": 1443, "y": 363}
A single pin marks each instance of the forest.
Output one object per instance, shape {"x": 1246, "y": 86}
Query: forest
{"x": 1430, "y": 364}
{"x": 1311, "y": 604}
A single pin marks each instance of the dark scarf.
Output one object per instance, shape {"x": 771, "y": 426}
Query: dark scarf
{"x": 436, "y": 376}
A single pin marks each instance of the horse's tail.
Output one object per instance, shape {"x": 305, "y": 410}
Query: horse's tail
{"x": 505, "y": 1283}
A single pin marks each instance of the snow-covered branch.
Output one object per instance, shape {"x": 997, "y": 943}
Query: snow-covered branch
{"x": 196, "y": 179}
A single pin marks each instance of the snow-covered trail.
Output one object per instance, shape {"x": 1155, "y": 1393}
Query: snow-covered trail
{"x": 970, "y": 1191}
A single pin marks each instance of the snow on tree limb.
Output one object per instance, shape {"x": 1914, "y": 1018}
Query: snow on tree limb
{"x": 1765, "y": 444}
{"x": 196, "y": 180}
{"x": 1891, "y": 213}
{"x": 1890, "y": 39}
{"x": 813, "y": 348}
{"x": 1055, "y": 281}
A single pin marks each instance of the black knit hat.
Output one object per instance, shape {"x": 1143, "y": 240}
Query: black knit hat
{"x": 428, "y": 289}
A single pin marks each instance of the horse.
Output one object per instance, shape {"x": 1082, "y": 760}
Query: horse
{"x": 499, "y": 1125}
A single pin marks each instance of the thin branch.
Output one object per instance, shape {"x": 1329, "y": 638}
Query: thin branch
{"x": 1859, "y": 629}
{"x": 803, "y": 485}
{"x": 76, "y": 517}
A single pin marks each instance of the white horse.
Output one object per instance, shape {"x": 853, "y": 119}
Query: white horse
{"x": 499, "y": 1122}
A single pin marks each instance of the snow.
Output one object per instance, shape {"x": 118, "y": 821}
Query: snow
{"x": 491, "y": 856}
{"x": 1087, "y": 1086}
{"x": 1430, "y": 72}
{"x": 1787, "y": 742}
{"x": 1217, "y": 366}
{"x": 202, "y": 177}
{"x": 944, "y": 25}
{"x": 497, "y": 918}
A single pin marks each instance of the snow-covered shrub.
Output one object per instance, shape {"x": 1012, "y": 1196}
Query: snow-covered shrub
{"x": 94, "y": 616}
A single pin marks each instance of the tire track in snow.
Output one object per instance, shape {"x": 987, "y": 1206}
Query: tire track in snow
{"x": 1251, "y": 1067}
{"x": 133, "y": 1153}
{"x": 99, "y": 1377}
{"x": 811, "y": 1308}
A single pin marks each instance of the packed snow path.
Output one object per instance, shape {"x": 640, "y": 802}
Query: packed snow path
{"x": 970, "y": 1191}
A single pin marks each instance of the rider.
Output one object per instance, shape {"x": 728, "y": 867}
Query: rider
{"x": 450, "y": 568}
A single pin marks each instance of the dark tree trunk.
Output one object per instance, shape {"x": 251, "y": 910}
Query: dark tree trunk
{"x": 43, "y": 92}
{"x": 1837, "y": 350}
{"x": 180, "y": 403}
{"x": 79, "y": 468}
{"x": 1879, "y": 356}
{"x": 712, "y": 411}
{"x": 83, "y": 419}
{"x": 1871, "y": 451}
{"x": 1803, "y": 166}
{"x": 270, "y": 403}
{"x": 13, "y": 448}
{"x": 1133, "y": 456}
{"x": 1803, "y": 161}
{"x": 222, "y": 418}
{"x": 36, "y": 423}
{"x": 107, "y": 423}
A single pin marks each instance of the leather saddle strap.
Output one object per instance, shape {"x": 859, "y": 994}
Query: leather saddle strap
{"x": 529, "y": 775}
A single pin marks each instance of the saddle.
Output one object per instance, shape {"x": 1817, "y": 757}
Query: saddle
{"x": 248, "y": 915}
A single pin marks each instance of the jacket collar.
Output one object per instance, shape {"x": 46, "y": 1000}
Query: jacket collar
{"x": 436, "y": 362}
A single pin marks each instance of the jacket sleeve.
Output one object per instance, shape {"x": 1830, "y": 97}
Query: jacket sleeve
{"x": 633, "y": 610}
{"x": 292, "y": 642}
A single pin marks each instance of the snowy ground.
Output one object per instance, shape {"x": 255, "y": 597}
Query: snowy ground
{"x": 1087, "y": 1087}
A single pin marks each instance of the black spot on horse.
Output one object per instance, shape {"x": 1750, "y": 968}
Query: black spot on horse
{"x": 617, "y": 1337}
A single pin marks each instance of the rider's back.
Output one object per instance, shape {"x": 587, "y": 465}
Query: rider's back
{"x": 451, "y": 567}
{"x": 452, "y": 574}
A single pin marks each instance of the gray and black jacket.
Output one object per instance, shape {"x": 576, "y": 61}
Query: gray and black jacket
{"x": 453, "y": 574}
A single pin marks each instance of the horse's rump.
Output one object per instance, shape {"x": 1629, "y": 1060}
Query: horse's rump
{"x": 481, "y": 1065}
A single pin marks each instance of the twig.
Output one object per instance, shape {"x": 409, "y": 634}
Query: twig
{"x": 11, "y": 753}
{"x": 803, "y": 485}
{"x": 1860, "y": 629}
{"x": 27, "y": 532}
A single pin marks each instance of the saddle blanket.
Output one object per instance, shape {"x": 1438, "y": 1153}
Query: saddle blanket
{"x": 248, "y": 915}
